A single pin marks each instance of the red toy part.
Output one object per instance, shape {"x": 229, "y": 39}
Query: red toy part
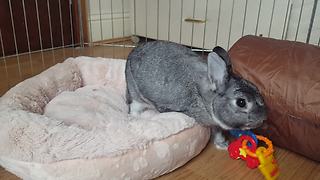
{"x": 235, "y": 151}
{"x": 252, "y": 162}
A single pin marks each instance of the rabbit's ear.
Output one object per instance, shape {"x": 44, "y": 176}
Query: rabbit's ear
{"x": 218, "y": 72}
{"x": 224, "y": 55}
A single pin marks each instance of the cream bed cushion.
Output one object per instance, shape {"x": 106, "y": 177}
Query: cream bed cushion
{"x": 72, "y": 122}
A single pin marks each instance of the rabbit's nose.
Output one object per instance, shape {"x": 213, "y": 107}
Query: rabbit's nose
{"x": 260, "y": 101}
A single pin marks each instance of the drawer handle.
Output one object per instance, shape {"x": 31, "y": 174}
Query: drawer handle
{"x": 192, "y": 20}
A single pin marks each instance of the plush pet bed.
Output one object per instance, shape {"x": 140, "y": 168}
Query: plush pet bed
{"x": 72, "y": 122}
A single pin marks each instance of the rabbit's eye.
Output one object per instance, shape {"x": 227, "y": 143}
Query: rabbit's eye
{"x": 241, "y": 102}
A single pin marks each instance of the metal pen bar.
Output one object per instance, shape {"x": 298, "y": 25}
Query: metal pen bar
{"x": 135, "y": 17}
{"x": 15, "y": 38}
{"x": 4, "y": 59}
{"x": 123, "y": 27}
{"x": 146, "y": 8}
{"x": 2, "y": 47}
{"x": 300, "y": 14}
{"x": 71, "y": 21}
{"x": 217, "y": 32}
{"x": 61, "y": 23}
{"x": 13, "y": 28}
{"x": 81, "y": 39}
{"x": 258, "y": 18}
{"x": 27, "y": 33}
{"x": 193, "y": 14}
{"x": 271, "y": 20}
{"x": 157, "y": 19}
{"x": 26, "y": 24}
{"x": 112, "y": 26}
{"x": 50, "y": 26}
{"x": 39, "y": 27}
{"x": 169, "y": 20}
{"x": 244, "y": 18}
{"x": 100, "y": 18}
{"x": 285, "y": 20}
{"x": 314, "y": 8}
{"x": 90, "y": 21}
{"x": 71, "y": 25}
{"x": 205, "y": 27}
{"x": 230, "y": 26}
{"x": 289, "y": 18}
{"x": 50, "y": 30}
{"x": 40, "y": 36}
{"x": 181, "y": 16}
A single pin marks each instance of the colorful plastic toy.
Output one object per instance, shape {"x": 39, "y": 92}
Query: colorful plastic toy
{"x": 238, "y": 133}
{"x": 237, "y": 151}
{"x": 245, "y": 148}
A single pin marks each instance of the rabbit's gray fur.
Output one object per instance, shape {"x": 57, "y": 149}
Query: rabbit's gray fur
{"x": 166, "y": 76}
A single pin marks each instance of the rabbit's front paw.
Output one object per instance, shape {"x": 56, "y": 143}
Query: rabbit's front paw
{"x": 219, "y": 140}
{"x": 222, "y": 145}
{"x": 136, "y": 108}
{"x": 142, "y": 109}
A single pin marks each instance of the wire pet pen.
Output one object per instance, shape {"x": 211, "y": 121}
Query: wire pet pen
{"x": 206, "y": 23}
{"x": 35, "y": 35}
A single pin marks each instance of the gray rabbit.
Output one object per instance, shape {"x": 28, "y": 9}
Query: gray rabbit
{"x": 166, "y": 76}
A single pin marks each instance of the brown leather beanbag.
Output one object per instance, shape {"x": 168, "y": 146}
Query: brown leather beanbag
{"x": 288, "y": 75}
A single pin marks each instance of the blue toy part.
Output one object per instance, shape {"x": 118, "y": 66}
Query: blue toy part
{"x": 237, "y": 133}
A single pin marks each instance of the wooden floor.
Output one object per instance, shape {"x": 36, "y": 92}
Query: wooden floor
{"x": 210, "y": 164}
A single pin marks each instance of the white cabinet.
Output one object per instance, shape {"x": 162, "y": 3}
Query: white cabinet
{"x": 108, "y": 19}
{"x": 225, "y": 20}
{"x": 221, "y": 22}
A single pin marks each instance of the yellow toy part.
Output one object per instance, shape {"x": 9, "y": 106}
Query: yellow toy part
{"x": 242, "y": 152}
{"x": 268, "y": 165}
